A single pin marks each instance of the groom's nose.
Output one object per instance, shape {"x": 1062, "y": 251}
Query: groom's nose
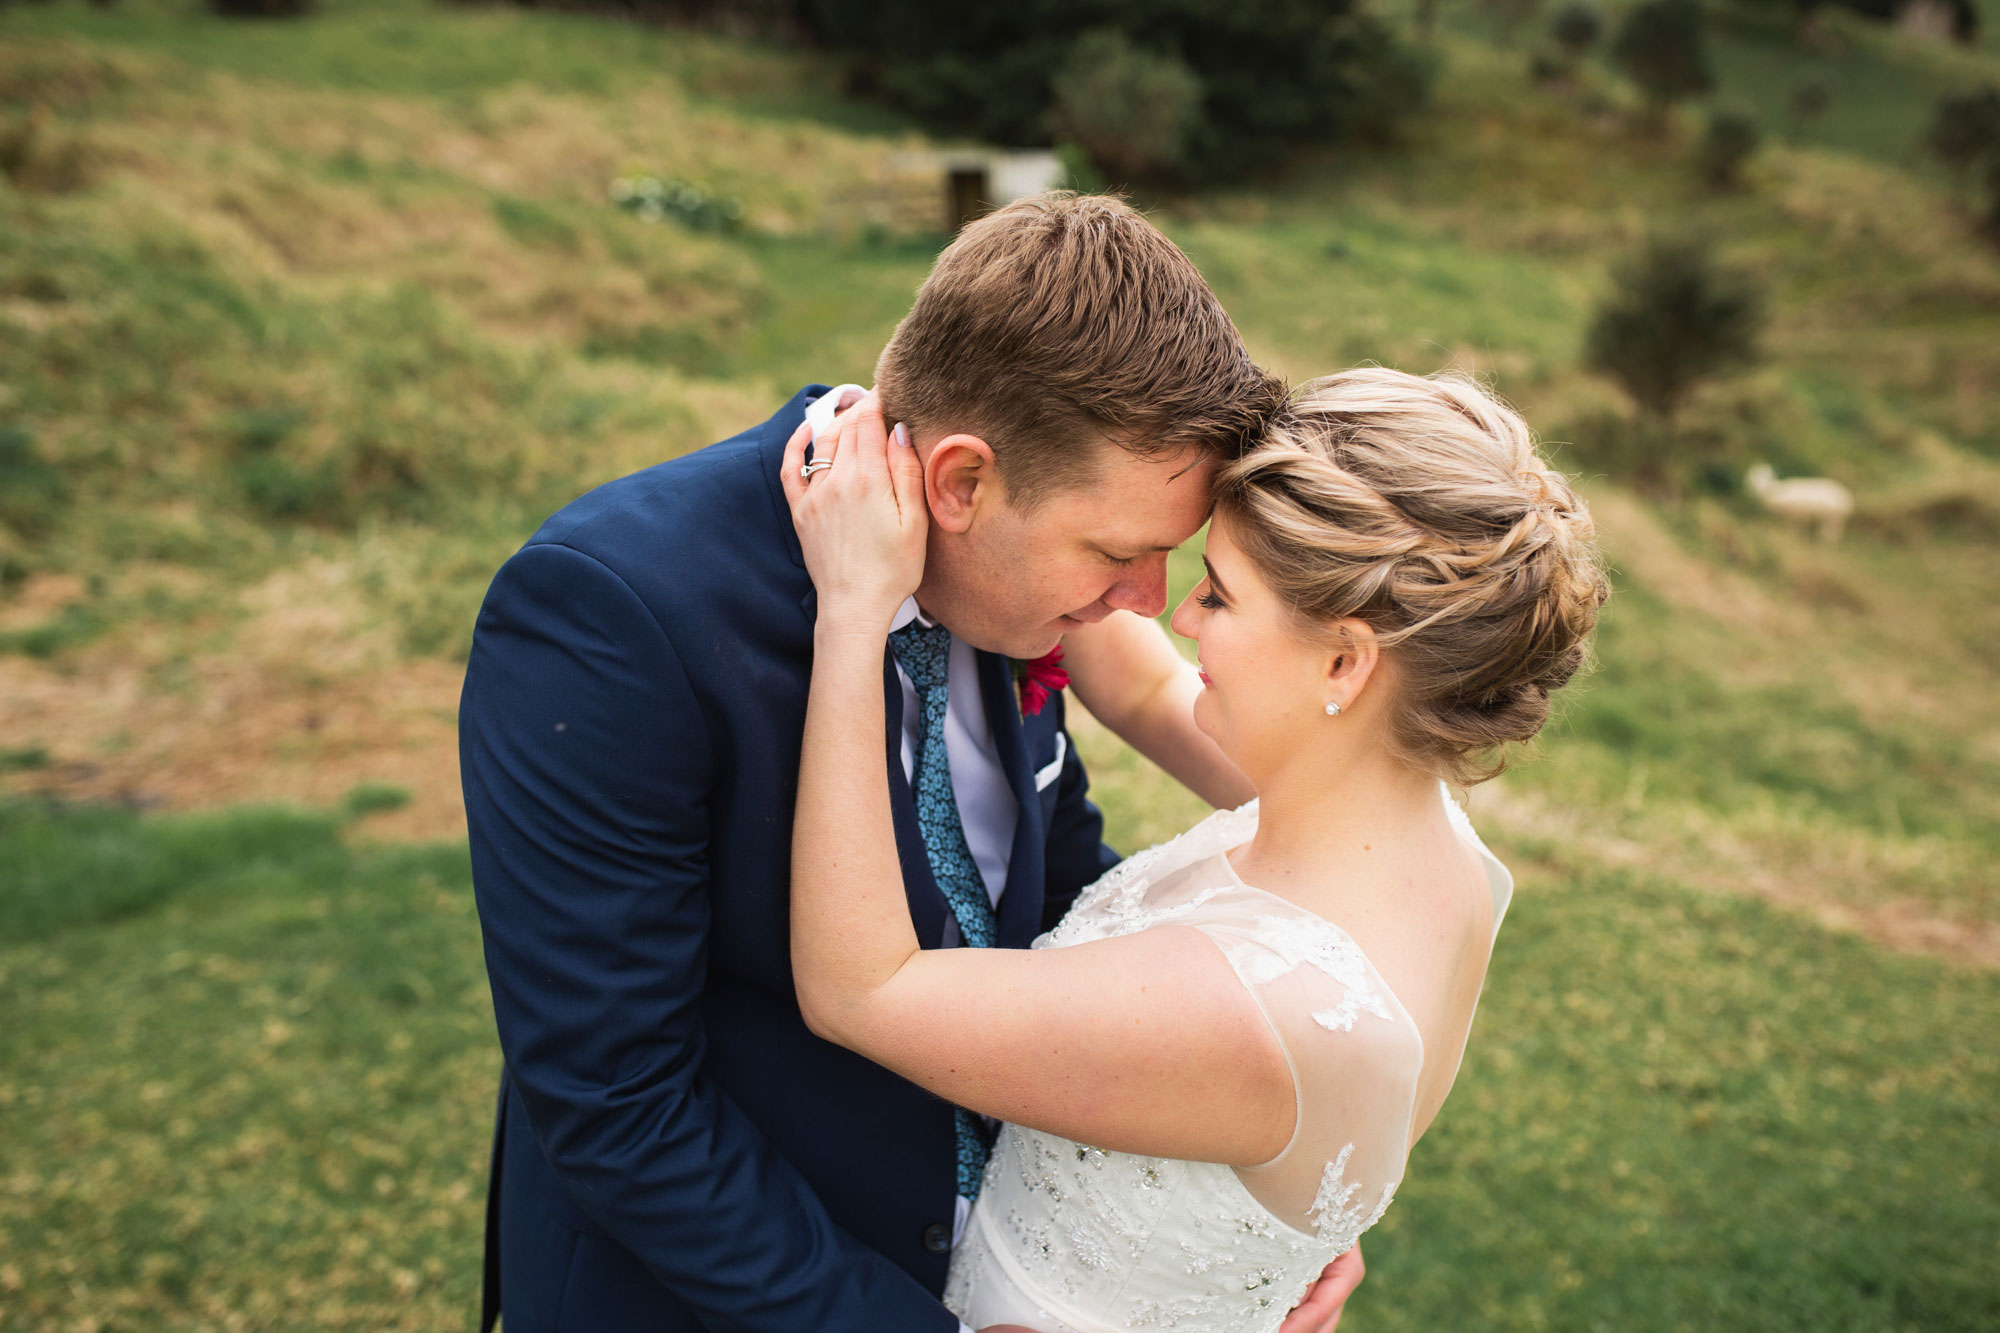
{"x": 1143, "y": 589}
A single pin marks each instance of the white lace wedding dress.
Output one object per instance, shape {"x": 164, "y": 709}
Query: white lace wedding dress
{"x": 1067, "y": 1238}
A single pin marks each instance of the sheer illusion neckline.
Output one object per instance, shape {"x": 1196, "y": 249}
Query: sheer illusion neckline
{"x": 1236, "y": 828}
{"x": 1235, "y": 835}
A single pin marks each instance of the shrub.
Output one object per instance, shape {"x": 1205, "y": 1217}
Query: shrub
{"x": 1992, "y": 183}
{"x": 1662, "y": 46}
{"x": 1132, "y": 110}
{"x": 279, "y": 488}
{"x": 259, "y": 430}
{"x": 33, "y": 157}
{"x": 1965, "y": 130}
{"x": 370, "y": 798}
{"x": 31, "y": 492}
{"x": 1728, "y": 146}
{"x": 1810, "y": 101}
{"x": 1510, "y": 15}
{"x": 1674, "y": 318}
{"x": 261, "y": 9}
{"x": 1274, "y": 73}
{"x": 1576, "y": 28}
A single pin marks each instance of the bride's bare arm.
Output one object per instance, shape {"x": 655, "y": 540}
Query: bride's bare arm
{"x": 1147, "y": 1044}
{"x": 1125, "y": 671}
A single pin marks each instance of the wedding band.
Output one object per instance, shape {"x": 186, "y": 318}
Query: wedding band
{"x": 814, "y": 466}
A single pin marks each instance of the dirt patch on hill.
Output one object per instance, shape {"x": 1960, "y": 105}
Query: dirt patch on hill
{"x": 1837, "y": 896}
{"x": 227, "y": 734}
{"x": 300, "y": 709}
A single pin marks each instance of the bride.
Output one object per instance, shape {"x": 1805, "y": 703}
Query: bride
{"x": 1211, "y": 1072}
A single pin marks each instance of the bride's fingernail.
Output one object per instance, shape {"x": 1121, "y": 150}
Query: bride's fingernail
{"x": 903, "y": 435}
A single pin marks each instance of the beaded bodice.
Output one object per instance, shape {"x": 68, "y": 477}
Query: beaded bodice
{"x": 1068, "y": 1238}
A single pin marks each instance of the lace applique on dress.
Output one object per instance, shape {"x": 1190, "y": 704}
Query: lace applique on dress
{"x": 1298, "y": 941}
{"x": 1117, "y": 894}
{"x": 1337, "y": 1219}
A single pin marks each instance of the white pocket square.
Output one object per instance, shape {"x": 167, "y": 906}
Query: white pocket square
{"x": 1050, "y": 771}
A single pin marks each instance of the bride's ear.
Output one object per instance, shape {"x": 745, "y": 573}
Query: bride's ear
{"x": 958, "y": 477}
{"x": 1352, "y": 662}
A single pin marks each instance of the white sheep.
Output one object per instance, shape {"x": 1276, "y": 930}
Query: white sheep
{"x": 1817, "y": 502}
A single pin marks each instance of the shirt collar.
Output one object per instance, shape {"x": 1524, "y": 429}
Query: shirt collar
{"x": 909, "y": 611}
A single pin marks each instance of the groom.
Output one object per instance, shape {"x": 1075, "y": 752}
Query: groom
{"x": 674, "y": 1150}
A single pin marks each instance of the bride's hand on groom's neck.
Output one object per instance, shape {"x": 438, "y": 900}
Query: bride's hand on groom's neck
{"x": 861, "y": 517}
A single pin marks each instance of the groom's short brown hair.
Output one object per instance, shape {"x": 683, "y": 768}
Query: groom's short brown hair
{"x": 1064, "y": 319}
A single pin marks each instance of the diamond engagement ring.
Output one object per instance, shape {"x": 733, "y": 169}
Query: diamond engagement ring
{"x": 807, "y": 471}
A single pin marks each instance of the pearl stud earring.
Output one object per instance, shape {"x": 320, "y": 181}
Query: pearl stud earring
{"x": 1333, "y": 710}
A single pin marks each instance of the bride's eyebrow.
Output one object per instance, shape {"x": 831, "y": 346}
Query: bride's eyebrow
{"x": 1212, "y": 577}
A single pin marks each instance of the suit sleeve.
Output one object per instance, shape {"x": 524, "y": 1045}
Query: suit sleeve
{"x": 1076, "y": 853}
{"x": 586, "y": 766}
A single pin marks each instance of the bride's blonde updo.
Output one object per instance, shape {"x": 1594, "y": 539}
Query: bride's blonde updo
{"x": 1419, "y": 505}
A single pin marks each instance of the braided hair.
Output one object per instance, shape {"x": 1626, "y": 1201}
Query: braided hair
{"x": 1419, "y": 505}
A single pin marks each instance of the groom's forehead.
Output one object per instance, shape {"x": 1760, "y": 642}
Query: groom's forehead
{"x": 1153, "y": 507}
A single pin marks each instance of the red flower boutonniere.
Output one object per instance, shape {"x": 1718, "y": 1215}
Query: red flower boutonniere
{"x": 1039, "y": 679}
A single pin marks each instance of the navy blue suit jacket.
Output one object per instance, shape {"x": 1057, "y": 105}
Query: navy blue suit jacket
{"x": 674, "y": 1150}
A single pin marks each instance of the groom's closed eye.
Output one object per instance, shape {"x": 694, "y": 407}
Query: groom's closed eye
{"x": 1118, "y": 559}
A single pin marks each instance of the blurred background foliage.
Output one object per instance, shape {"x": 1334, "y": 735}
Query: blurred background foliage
{"x": 307, "y": 321}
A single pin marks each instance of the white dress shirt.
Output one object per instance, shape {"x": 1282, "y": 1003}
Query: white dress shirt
{"x": 986, "y": 804}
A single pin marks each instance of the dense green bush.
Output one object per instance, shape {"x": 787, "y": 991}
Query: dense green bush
{"x": 1674, "y": 318}
{"x": 1965, "y": 129}
{"x": 1727, "y": 147}
{"x": 1965, "y": 135}
{"x": 261, "y": 9}
{"x": 1272, "y": 75}
{"x": 1811, "y": 100}
{"x": 1132, "y": 110}
{"x": 1576, "y": 28}
{"x": 1662, "y": 46}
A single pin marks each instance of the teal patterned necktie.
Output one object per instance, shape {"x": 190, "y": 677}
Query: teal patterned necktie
{"x": 925, "y": 654}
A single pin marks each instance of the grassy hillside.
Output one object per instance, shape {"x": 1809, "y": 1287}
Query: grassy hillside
{"x": 303, "y": 327}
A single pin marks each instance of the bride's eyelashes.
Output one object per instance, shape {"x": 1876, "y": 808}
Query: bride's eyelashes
{"x": 1209, "y": 600}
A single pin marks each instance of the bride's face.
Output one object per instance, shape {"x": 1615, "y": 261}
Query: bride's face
{"x": 1265, "y": 684}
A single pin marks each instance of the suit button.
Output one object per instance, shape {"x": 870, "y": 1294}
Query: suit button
{"x": 937, "y": 1238}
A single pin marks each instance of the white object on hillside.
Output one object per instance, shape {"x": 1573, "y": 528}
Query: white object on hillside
{"x": 977, "y": 180}
{"x": 1814, "y": 502}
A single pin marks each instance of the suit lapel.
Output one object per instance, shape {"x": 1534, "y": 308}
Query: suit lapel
{"x": 1019, "y": 914}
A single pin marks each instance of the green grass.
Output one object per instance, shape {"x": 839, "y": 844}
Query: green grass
{"x": 251, "y": 1068}
{"x": 1688, "y": 1112}
{"x": 246, "y": 1079}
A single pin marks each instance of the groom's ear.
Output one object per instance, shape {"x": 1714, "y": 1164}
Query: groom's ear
{"x": 959, "y": 476}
